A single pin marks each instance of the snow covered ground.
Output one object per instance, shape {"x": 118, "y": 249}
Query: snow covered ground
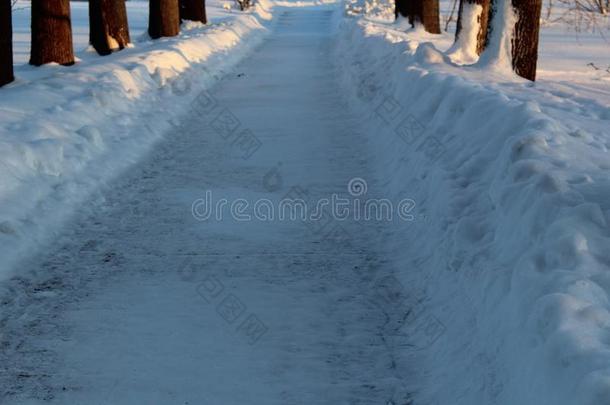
{"x": 495, "y": 293}
{"x": 135, "y": 301}
{"x": 66, "y": 130}
{"x": 512, "y": 179}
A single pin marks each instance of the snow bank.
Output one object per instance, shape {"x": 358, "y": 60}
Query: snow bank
{"x": 67, "y": 130}
{"x": 510, "y": 250}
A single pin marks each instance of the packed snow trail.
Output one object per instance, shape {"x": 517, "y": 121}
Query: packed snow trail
{"x": 137, "y": 302}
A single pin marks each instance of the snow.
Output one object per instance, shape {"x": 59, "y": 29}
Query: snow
{"x": 512, "y": 181}
{"x": 497, "y": 56}
{"x": 64, "y": 131}
{"x": 142, "y": 293}
{"x": 112, "y": 43}
{"x": 496, "y": 293}
{"x": 464, "y": 50}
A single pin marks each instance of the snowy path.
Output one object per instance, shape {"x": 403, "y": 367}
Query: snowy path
{"x": 134, "y": 302}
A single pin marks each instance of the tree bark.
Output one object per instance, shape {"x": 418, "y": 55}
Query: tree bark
{"x": 6, "y": 43}
{"x": 400, "y": 8}
{"x": 425, "y": 12}
{"x": 163, "y": 18}
{"x": 51, "y": 33}
{"x": 482, "y": 22}
{"x": 525, "y": 37}
{"x": 108, "y": 26}
{"x": 193, "y": 10}
{"x": 430, "y": 16}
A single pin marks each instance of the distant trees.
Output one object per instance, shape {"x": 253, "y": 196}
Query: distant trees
{"x": 193, "y": 10}
{"x": 163, "y": 18}
{"x": 51, "y": 28}
{"x": 51, "y": 39}
{"x": 425, "y": 12}
{"x": 599, "y": 6}
{"x": 108, "y": 26}
{"x": 6, "y": 43}
{"x": 579, "y": 13}
{"x": 51, "y": 33}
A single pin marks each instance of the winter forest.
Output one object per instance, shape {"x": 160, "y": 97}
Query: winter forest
{"x": 299, "y": 202}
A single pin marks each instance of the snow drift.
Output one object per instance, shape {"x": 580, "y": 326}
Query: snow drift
{"x": 510, "y": 247}
{"x": 68, "y": 130}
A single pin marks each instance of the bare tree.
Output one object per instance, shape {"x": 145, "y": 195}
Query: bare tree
{"x": 549, "y": 10}
{"x": 163, "y": 18}
{"x": 473, "y": 17}
{"x": 582, "y": 14}
{"x": 592, "y": 6}
{"x": 449, "y": 18}
{"x": 108, "y": 27}
{"x": 6, "y": 43}
{"x": 51, "y": 33}
{"x": 425, "y": 12}
{"x": 193, "y": 10}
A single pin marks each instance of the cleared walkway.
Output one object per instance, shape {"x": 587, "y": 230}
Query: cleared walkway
{"x": 137, "y": 302}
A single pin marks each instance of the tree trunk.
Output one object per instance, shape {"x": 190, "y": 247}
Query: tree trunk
{"x": 420, "y": 11}
{"x": 482, "y": 22}
{"x": 400, "y": 8}
{"x": 193, "y": 10}
{"x": 430, "y": 16}
{"x": 51, "y": 33}
{"x": 525, "y": 37}
{"x": 163, "y": 18}
{"x": 6, "y": 43}
{"x": 108, "y": 27}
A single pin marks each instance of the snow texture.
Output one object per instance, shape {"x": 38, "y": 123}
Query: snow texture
{"x": 64, "y": 131}
{"x": 134, "y": 301}
{"x": 496, "y": 293}
{"x": 511, "y": 253}
{"x": 464, "y": 50}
